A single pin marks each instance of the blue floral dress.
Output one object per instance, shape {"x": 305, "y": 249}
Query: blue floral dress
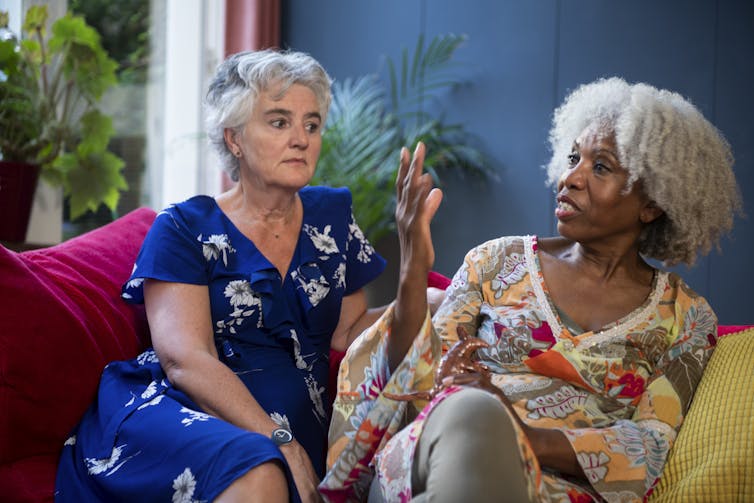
{"x": 144, "y": 440}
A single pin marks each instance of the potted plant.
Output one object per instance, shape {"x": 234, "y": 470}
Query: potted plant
{"x": 50, "y": 123}
{"x": 365, "y": 131}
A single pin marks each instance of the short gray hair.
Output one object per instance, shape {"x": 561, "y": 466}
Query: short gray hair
{"x": 684, "y": 163}
{"x": 240, "y": 79}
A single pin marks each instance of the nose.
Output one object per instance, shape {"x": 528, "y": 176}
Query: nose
{"x": 573, "y": 177}
{"x": 299, "y": 137}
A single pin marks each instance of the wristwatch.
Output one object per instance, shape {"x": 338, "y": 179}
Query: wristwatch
{"x": 281, "y": 436}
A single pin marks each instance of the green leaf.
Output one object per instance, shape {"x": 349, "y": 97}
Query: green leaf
{"x": 49, "y": 93}
{"x": 36, "y": 20}
{"x": 96, "y": 131}
{"x": 97, "y": 179}
{"x": 365, "y": 131}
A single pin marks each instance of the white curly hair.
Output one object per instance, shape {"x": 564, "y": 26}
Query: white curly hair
{"x": 684, "y": 163}
{"x": 241, "y": 77}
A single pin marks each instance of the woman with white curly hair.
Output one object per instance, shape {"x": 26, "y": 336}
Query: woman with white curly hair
{"x": 587, "y": 356}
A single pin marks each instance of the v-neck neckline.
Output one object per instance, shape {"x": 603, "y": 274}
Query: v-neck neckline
{"x": 560, "y": 328}
{"x": 266, "y": 263}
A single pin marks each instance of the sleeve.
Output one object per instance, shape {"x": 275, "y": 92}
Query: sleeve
{"x": 463, "y": 299}
{"x": 363, "y": 263}
{"x": 169, "y": 253}
{"x": 363, "y": 418}
{"x": 625, "y": 460}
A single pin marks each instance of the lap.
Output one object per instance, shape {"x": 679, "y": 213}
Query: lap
{"x": 162, "y": 451}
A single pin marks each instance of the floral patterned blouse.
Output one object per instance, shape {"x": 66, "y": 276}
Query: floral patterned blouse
{"x": 619, "y": 394}
{"x": 274, "y": 332}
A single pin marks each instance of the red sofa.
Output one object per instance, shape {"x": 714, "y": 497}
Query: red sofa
{"x": 61, "y": 320}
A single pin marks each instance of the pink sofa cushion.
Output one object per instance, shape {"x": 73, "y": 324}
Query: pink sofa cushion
{"x": 61, "y": 320}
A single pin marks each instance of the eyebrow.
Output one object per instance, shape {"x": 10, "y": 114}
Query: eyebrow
{"x": 599, "y": 151}
{"x": 288, "y": 113}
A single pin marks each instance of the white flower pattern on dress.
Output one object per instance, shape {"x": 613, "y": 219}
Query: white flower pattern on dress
{"x": 315, "y": 394}
{"x": 193, "y": 416}
{"x": 300, "y": 362}
{"x": 215, "y": 246}
{"x": 110, "y": 465}
{"x": 315, "y": 289}
{"x": 241, "y": 296}
{"x": 156, "y": 400}
{"x": 184, "y": 486}
{"x": 365, "y": 248}
{"x": 322, "y": 240}
{"x": 281, "y": 420}
{"x": 151, "y": 390}
{"x": 339, "y": 277}
{"x": 148, "y": 356}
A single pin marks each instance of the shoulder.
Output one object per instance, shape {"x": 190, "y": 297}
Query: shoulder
{"x": 503, "y": 246}
{"x": 682, "y": 294}
{"x": 319, "y": 198}
{"x": 195, "y": 208}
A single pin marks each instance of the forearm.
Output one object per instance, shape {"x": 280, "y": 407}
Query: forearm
{"x": 409, "y": 314}
{"x": 554, "y": 451}
{"x": 218, "y": 391}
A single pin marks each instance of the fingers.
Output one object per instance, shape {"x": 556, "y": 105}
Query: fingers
{"x": 409, "y": 173}
{"x": 433, "y": 203}
{"x": 402, "y": 171}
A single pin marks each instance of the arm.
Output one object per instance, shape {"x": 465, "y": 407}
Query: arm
{"x": 631, "y": 453}
{"x": 354, "y": 318}
{"x": 180, "y": 324}
{"x": 417, "y": 204}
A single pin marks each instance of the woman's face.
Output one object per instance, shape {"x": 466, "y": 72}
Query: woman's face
{"x": 592, "y": 204}
{"x": 281, "y": 141}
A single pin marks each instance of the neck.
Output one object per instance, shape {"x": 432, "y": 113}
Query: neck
{"x": 606, "y": 264}
{"x": 269, "y": 206}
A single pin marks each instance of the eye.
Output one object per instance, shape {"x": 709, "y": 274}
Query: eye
{"x": 573, "y": 159}
{"x": 600, "y": 168}
{"x": 312, "y": 127}
{"x": 279, "y": 123}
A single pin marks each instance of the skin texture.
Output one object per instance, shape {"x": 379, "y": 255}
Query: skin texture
{"x": 593, "y": 269}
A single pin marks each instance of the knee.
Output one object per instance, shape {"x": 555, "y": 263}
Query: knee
{"x": 471, "y": 408}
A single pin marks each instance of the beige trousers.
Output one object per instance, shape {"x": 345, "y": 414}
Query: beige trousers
{"x": 467, "y": 452}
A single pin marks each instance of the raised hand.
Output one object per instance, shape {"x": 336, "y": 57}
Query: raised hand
{"x": 417, "y": 204}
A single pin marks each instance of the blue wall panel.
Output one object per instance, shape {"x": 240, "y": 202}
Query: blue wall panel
{"x": 521, "y": 58}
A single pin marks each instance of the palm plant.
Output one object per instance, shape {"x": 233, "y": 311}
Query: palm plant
{"x": 365, "y": 131}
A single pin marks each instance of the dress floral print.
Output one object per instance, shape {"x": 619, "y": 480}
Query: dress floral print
{"x": 143, "y": 439}
{"x": 619, "y": 394}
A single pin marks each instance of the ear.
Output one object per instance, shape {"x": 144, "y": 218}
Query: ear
{"x": 650, "y": 212}
{"x": 230, "y": 141}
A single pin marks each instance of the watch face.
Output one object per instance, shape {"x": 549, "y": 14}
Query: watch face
{"x": 281, "y": 436}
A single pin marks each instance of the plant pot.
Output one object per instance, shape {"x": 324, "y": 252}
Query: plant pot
{"x": 18, "y": 182}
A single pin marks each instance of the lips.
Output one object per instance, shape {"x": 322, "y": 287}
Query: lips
{"x": 565, "y": 207}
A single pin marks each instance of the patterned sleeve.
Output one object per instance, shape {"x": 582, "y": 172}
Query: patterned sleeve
{"x": 169, "y": 253}
{"x": 363, "y": 418}
{"x": 625, "y": 460}
{"x": 463, "y": 298}
{"x": 363, "y": 263}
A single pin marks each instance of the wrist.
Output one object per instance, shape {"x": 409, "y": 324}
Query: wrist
{"x": 281, "y": 436}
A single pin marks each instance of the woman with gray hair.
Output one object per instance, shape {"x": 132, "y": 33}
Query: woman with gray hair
{"x": 245, "y": 294}
{"x": 587, "y": 356}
